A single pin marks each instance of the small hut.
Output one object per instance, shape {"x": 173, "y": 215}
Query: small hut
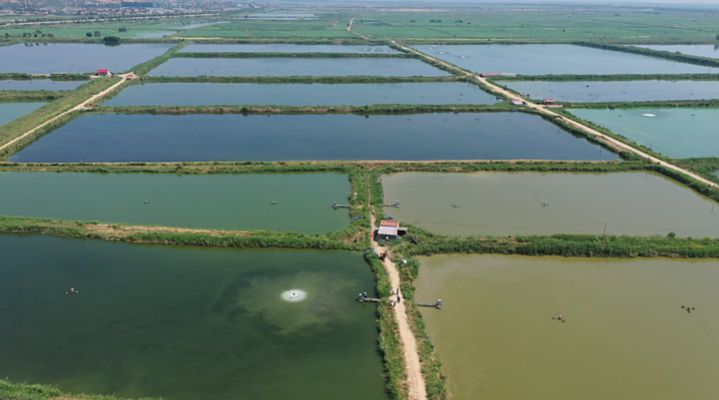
{"x": 389, "y": 230}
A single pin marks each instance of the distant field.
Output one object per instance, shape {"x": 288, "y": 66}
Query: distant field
{"x": 546, "y": 23}
{"x": 144, "y": 29}
{"x": 332, "y": 26}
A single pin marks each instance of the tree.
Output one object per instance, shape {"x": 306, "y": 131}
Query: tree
{"x": 88, "y": 34}
{"x": 96, "y": 34}
{"x": 111, "y": 40}
{"x": 122, "y": 29}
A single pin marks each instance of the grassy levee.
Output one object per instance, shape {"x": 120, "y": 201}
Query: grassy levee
{"x": 27, "y": 122}
{"x": 149, "y": 65}
{"x": 674, "y": 56}
{"x": 296, "y": 79}
{"x": 435, "y": 379}
{"x": 172, "y": 236}
{"x": 30, "y": 95}
{"x": 287, "y": 55}
{"x": 53, "y": 77}
{"x": 606, "y": 78}
{"x": 272, "y": 109}
{"x": 647, "y": 104}
{"x": 428, "y": 244}
{"x": 708, "y": 167}
{"x": 389, "y": 341}
{"x": 24, "y": 391}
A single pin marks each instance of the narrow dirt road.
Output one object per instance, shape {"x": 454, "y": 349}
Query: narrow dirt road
{"x": 82, "y": 106}
{"x": 496, "y": 89}
{"x": 415, "y": 381}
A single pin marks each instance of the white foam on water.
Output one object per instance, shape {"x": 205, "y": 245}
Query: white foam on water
{"x": 648, "y": 115}
{"x": 294, "y": 295}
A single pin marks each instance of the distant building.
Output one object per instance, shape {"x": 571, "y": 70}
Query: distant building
{"x": 389, "y": 230}
{"x": 103, "y": 72}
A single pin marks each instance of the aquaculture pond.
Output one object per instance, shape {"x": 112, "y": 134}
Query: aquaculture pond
{"x": 76, "y": 57}
{"x": 115, "y": 137}
{"x": 556, "y": 59}
{"x": 282, "y": 66}
{"x": 288, "y": 48}
{"x": 699, "y": 50}
{"x": 39, "y": 84}
{"x": 504, "y": 203}
{"x": 625, "y": 334}
{"x": 284, "y": 202}
{"x": 181, "y": 323}
{"x": 597, "y": 92}
{"x": 354, "y": 94}
{"x": 11, "y": 111}
{"x": 676, "y": 132}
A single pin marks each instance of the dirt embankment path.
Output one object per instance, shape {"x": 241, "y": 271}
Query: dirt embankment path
{"x": 82, "y": 106}
{"x": 612, "y": 142}
{"x": 415, "y": 380}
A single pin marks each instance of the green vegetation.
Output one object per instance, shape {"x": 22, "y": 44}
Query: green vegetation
{"x": 389, "y": 341}
{"x": 272, "y": 109}
{"x": 54, "y": 77}
{"x": 23, "y": 391}
{"x": 30, "y": 95}
{"x": 618, "y": 77}
{"x": 675, "y": 56}
{"x": 78, "y": 31}
{"x": 563, "y": 245}
{"x": 544, "y": 23}
{"x": 707, "y": 167}
{"x": 648, "y": 104}
{"x": 149, "y": 65}
{"x": 326, "y": 26}
{"x": 288, "y": 55}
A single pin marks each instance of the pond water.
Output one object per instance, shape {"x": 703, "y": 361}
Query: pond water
{"x": 11, "y": 111}
{"x": 700, "y": 50}
{"x": 280, "y": 66}
{"x": 76, "y": 57}
{"x": 288, "y": 48}
{"x": 115, "y": 137}
{"x": 556, "y": 59}
{"x": 355, "y": 94}
{"x": 676, "y": 132}
{"x": 625, "y": 336}
{"x": 504, "y": 203}
{"x": 597, "y": 92}
{"x": 39, "y": 84}
{"x": 182, "y": 323}
{"x": 284, "y": 202}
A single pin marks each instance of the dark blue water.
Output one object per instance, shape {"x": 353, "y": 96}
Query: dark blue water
{"x": 112, "y": 137}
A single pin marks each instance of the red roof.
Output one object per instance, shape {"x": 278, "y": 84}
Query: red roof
{"x": 389, "y": 223}
{"x": 103, "y": 71}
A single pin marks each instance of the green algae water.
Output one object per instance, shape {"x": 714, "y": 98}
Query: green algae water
{"x": 11, "y": 111}
{"x": 283, "y": 202}
{"x": 676, "y": 132}
{"x": 187, "y": 323}
{"x": 503, "y": 203}
{"x": 625, "y": 337}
